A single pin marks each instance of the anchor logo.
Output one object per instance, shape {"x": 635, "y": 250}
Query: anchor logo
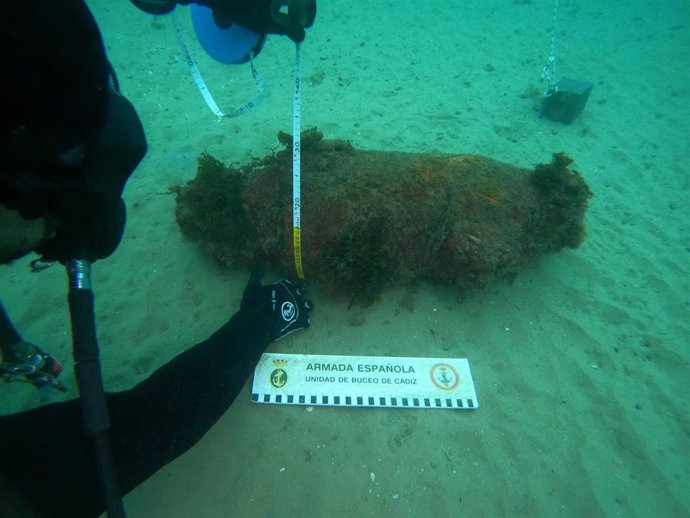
{"x": 444, "y": 376}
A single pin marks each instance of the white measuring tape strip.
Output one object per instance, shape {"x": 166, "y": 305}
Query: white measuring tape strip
{"x": 548, "y": 71}
{"x": 364, "y": 381}
{"x": 296, "y": 166}
{"x": 201, "y": 84}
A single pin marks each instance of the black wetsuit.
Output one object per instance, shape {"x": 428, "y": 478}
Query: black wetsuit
{"x": 46, "y": 459}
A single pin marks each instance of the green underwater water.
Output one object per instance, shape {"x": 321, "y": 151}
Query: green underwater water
{"x": 580, "y": 360}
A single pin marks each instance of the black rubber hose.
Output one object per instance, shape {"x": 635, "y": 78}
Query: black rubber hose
{"x": 87, "y": 370}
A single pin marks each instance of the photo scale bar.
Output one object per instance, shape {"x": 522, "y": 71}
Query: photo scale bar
{"x": 362, "y": 401}
{"x": 364, "y": 381}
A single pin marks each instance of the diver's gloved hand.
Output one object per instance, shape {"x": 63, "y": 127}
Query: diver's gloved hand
{"x": 274, "y": 310}
{"x": 89, "y": 233}
{"x": 285, "y": 17}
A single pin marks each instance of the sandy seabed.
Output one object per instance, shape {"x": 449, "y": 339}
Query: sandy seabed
{"x": 580, "y": 362}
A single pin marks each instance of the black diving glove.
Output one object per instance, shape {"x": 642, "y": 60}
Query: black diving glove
{"x": 274, "y": 310}
{"x": 89, "y": 234}
{"x": 285, "y": 17}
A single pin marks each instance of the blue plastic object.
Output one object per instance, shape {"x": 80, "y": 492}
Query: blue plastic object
{"x": 231, "y": 45}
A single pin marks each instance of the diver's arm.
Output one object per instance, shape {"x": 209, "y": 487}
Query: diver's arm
{"x": 46, "y": 459}
{"x": 166, "y": 414}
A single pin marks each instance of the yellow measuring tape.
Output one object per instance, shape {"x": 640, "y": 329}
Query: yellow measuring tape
{"x": 296, "y": 164}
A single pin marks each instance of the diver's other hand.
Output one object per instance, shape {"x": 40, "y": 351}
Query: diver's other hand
{"x": 89, "y": 230}
{"x": 293, "y": 16}
{"x": 285, "y": 17}
{"x": 274, "y": 309}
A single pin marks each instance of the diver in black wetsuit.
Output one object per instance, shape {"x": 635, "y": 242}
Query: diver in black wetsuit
{"x": 68, "y": 143}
